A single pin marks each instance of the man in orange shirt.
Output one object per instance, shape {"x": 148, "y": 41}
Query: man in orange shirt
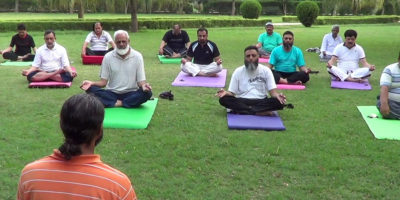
{"x": 73, "y": 171}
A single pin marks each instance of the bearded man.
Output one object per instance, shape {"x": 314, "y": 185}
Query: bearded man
{"x": 249, "y": 88}
{"x": 122, "y": 75}
{"x": 285, "y": 58}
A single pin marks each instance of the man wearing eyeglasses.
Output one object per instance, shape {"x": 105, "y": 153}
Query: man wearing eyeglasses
{"x": 122, "y": 75}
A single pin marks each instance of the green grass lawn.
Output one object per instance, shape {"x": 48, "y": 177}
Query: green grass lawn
{"x": 187, "y": 152}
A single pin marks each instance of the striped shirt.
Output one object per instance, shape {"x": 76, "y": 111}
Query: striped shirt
{"x": 82, "y": 177}
{"x": 99, "y": 43}
{"x": 391, "y": 77}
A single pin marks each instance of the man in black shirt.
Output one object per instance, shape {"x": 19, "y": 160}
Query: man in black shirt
{"x": 175, "y": 43}
{"x": 23, "y": 44}
{"x": 205, "y": 54}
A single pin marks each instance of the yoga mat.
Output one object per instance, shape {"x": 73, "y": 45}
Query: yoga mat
{"x": 381, "y": 128}
{"x": 271, "y": 123}
{"x": 290, "y": 87}
{"x": 16, "y": 63}
{"x": 130, "y": 118}
{"x": 350, "y": 85}
{"x": 51, "y": 84}
{"x": 165, "y": 60}
{"x": 263, "y": 60}
{"x": 92, "y": 60}
{"x": 185, "y": 80}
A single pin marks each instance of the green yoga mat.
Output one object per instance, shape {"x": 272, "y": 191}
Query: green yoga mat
{"x": 130, "y": 118}
{"x": 16, "y": 63}
{"x": 381, "y": 128}
{"x": 165, "y": 60}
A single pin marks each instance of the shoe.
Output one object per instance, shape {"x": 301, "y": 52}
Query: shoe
{"x": 167, "y": 95}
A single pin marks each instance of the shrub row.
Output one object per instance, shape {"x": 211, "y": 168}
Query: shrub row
{"x": 321, "y": 20}
{"x": 113, "y": 24}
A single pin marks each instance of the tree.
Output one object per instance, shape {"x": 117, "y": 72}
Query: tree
{"x": 134, "y": 20}
{"x": 81, "y": 9}
{"x": 233, "y": 8}
{"x": 16, "y": 6}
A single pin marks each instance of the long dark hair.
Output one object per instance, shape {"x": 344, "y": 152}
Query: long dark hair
{"x": 81, "y": 120}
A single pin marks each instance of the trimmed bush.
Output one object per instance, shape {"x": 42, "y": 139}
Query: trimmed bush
{"x": 307, "y": 12}
{"x": 250, "y": 9}
{"x": 321, "y": 20}
{"x": 145, "y": 23}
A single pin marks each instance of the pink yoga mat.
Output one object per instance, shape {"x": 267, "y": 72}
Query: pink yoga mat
{"x": 351, "y": 85}
{"x": 236, "y": 121}
{"x": 263, "y": 60}
{"x": 185, "y": 80}
{"x": 55, "y": 84}
{"x": 90, "y": 60}
{"x": 290, "y": 87}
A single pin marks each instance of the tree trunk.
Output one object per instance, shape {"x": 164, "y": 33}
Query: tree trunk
{"x": 81, "y": 9}
{"x": 71, "y": 6}
{"x": 233, "y": 7}
{"x": 284, "y": 7}
{"x": 134, "y": 20}
{"x": 16, "y": 6}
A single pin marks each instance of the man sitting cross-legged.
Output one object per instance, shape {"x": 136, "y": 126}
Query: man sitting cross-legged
{"x": 175, "y": 43}
{"x": 285, "y": 58}
{"x": 122, "y": 75}
{"x": 24, "y": 44}
{"x": 74, "y": 171}
{"x": 348, "y": 55}
{"x": 205, "y": 54}
{"x": 389, "y": 98}
{"x": 249, "y": 86}
{"x": 50, "y": 63}
{"x": 98, "y": 40}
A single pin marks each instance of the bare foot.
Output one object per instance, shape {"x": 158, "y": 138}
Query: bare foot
{"x": 283, "y": 81}
{"x": 176, "y": 55}
{"x": 118, "y": 103}
{"x": 298, "y": 83}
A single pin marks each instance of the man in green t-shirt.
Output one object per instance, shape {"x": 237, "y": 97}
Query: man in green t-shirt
{"x": 268, "y": 41}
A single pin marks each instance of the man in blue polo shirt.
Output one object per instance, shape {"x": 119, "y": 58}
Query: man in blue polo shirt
{"x": 285, "y": 59}
{"x": 268, "y": 41}
{"x": 205, "y": 54}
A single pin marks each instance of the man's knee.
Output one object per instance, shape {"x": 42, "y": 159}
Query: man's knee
{"x": 31, "y": 76}
{"x": 224, "y": 101}
{"x": 66, "y": 77}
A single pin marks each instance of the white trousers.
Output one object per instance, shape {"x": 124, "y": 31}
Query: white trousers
{"x": 344, "y": 74}
{"x": 194, "y": 69}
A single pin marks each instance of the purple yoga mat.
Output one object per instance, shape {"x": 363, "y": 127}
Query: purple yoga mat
{"x": 290, "y": 87}
{"x": 351, "y": 85}
{"x": 272, "y": 123}
{"x": 186, "y": 80}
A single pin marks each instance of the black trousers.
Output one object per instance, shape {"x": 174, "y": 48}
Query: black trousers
{"x": 90, "y": 52}
{"x": 250, "y": 106}
{"x": 11, "y": 55}
{"x": 291, "y": 77}
{"x": 169, "y": 51}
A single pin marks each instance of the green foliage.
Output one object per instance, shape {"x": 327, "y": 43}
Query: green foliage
{"x": 250, "y": 9}
{"x": 307, "y": 12}
{"x": 348, "y": 20}
{"x": 144, "y": 23}
{"x": 327, "y": 151}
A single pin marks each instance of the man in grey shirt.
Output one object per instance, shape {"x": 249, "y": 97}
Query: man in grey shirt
{"x": 122, "y": 74}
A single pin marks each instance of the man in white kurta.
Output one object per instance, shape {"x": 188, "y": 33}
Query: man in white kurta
{"x": 347, "y": 55}
{"x": 329, "y": 42}
{"x": 249, "y": 88}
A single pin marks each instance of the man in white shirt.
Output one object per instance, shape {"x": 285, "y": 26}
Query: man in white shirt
{"x": 348, "y": 55}
{"x": 50, "y": 63}
{"x": 330, "y": 41}
{"x": 249, "y": 88}
{"x": 99, "y": 40}
{"x": 122, "y": 75}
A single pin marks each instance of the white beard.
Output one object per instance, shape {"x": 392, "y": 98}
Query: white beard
{"x": 122, "y": 52}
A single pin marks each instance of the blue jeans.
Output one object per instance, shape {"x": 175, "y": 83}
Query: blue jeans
{"x": 129, "y": 100}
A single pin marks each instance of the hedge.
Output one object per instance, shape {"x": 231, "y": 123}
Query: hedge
{"x": 147, "y": 23}
{"x": 321, "y": 20}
